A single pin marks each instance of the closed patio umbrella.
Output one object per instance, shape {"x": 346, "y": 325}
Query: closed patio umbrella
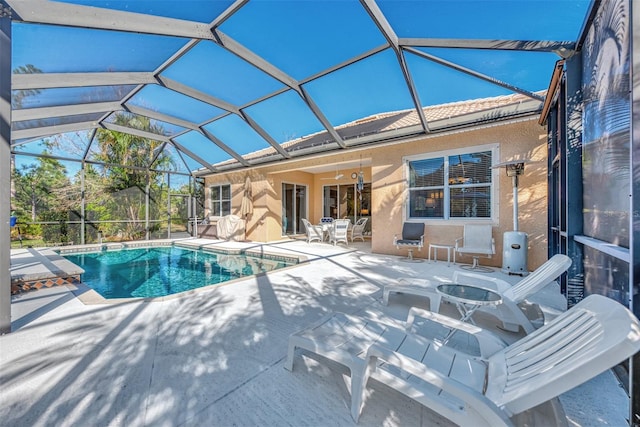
{"x": 246, "y": 208}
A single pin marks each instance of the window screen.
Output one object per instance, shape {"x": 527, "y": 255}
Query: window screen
{"x": 454, "y": 186}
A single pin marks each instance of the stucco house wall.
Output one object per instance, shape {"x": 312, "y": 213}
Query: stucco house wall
{"x": 518, "y": 139}
{"x": 521, "y": 140}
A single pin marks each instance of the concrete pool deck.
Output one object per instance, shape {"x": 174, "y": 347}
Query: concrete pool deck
{"x": 216, "y": 357}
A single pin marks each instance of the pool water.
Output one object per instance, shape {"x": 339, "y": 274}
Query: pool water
{"x": 161, "y": 271}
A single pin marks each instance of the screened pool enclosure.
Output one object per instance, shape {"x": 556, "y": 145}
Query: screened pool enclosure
{"x": 118, "y": 106}
{"x": 115, "y": 113}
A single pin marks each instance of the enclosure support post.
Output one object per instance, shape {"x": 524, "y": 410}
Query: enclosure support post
{"x": 573, "y": 223}
{"x": 634, "y": 243}
{"x": 168, "y": 205}
{"x": 83, "y": 202}
{"x": 5, "y": 167}
{"x": 146, "y": 206}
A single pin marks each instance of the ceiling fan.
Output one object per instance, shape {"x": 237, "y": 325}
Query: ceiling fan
{"x": 338, "y": 175}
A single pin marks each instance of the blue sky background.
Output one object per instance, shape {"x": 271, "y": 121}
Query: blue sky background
{"x": 302, "y": 38}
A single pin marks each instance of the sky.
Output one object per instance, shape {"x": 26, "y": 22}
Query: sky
{"x": 301, "y": 38}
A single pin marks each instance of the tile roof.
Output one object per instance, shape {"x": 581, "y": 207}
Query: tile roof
{"x": 439, "y": 117}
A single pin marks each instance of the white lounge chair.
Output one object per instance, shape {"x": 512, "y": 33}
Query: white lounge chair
{"x": 476, "y": 241}
{"x": 346, "y": 338}
{"x": 490, "y": 390}
{"x": 357, "y": 231}
{"x": 313, "y": 232}
{"x": 340, "y": 231}
{"x": 508, "y": 312}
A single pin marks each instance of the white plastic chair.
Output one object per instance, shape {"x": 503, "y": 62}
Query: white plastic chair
{"x": 345, "y": 339}
{"x": 339, "y": 232}
{"x": 476, "y": 241}
{"x": 490, "y": 390}
{"x": 357, "y": 231}
{"x": 508, "y": 312}
{"x": 313, "y": 232}
{"x": 412, "y": 237}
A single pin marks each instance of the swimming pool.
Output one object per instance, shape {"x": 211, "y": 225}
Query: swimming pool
{"x": 160, "y": 271}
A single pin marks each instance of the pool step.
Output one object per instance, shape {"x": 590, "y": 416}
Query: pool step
{"x": 37, "y": 268}
{"x": 20, "y": 285}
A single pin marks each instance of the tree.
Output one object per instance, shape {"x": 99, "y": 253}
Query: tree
{"x": 18, "y": 96}
{"x": 125, "y": 176}
{"x": 39, "y": 187}
{"x": 43, "y": 193}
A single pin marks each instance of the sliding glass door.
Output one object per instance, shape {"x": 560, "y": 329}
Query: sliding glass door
{"x": 345, "y": 201}
{"x": 294, "y": 208}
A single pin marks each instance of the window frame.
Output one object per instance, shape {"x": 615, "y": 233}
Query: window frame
{"x": 298, "y": 216}
{"x": 220, "y": 201}
{"x": 494, "y": 190}
{"x": 357, "y": 213}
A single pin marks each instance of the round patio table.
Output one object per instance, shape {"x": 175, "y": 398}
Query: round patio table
{"x": 467, "y": 299}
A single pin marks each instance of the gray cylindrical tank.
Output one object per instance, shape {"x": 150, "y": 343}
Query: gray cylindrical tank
{"x": 514, "y": 253}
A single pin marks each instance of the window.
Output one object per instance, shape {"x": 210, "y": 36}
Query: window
{"x": 450, "y": 186}
{"x": 220, "y": 200}
{"x": 345, "y": 201}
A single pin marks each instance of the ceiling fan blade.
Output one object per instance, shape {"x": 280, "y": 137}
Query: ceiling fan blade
{"x": 338, "y": 176}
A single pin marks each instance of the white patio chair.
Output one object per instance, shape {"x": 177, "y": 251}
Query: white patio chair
{"x": 340, "y": 231}
{"x": 313, "y": 232}
{"x": 326, "y": 222}
{"x": 508, "y": 312}
{"x": 357, "y": 231}
{"x": 476, "y": 241}
{"x": 494, "y": 389}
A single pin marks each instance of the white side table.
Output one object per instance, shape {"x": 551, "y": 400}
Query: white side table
{"x": 449, "y": 249}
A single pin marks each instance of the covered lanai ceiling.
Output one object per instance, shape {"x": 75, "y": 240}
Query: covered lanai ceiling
{"x": 223, "y": 85}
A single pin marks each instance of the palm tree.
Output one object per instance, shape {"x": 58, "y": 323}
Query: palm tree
{"x": 125, "y": 177}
